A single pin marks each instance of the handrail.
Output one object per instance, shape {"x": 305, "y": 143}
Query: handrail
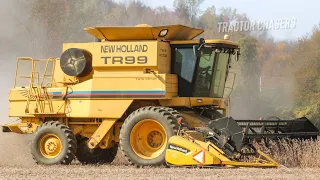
{"x": 37, "y": 90}
{"x": 33, "y": 70}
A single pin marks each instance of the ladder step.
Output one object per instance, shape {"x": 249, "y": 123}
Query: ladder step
{"x": 37, "y": 91}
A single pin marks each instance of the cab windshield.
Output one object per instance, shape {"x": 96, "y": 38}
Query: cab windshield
{"x": 203, "y": 78}
{"x": 211, "y": 74}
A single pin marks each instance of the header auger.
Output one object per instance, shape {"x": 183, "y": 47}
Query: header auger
{"x": 134, "y": 88}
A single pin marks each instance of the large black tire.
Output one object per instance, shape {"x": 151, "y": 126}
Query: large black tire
{"x": 176, "y": 114}
{"x": 158, "y": 114}
{"x": 95, "y": 156}
{"x": 67, "y": 141}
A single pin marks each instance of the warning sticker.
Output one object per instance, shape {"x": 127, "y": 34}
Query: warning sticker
{"x": 199, "y": 157}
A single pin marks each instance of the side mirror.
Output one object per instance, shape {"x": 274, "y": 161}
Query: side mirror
{"x": 196, "y": 51}
{"x": 237, "y": 55}
{"x": 196, "y": 48}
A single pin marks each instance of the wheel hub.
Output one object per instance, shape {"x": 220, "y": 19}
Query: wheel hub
{"x": 50, "y": 146}
{"x": 148, "y": 139}
{"x": 155, "y": 139}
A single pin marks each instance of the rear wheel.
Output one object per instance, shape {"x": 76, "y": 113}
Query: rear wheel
{"x": 85, "y": 155}
{"x": 54, "y": 143}
{"x": 145, "y": 134}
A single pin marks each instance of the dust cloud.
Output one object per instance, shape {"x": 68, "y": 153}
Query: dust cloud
{"x": 14, "y": 42}
{"x": 17, "y": 40}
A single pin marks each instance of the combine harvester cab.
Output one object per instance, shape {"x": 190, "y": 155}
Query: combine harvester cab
{"x": 128, "y": 91}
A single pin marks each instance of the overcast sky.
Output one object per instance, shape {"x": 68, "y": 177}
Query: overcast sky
{"x": 306, "y": 12}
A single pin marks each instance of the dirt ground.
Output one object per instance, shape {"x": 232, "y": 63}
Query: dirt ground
{"x": 16, "y": 163}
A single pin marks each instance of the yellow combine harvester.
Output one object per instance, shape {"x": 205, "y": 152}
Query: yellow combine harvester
{"x": 153, "y": 91}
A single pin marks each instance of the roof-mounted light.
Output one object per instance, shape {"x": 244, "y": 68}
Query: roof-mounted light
{"x": 163, "y": 32}
{"x": 226, "y": 37}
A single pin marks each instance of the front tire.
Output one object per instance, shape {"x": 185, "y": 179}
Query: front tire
{"x": 144, "y": 135}
{"x": 54, "y": 143}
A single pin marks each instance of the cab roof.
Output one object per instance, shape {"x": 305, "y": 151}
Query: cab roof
{"x": 143, "y": 32}
{"x": 208, "y": 41}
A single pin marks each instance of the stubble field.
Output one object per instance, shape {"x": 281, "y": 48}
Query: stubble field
{"x": 16, "y": 163}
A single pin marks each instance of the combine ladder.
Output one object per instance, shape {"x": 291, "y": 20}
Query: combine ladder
{"x": 37, "y": 90}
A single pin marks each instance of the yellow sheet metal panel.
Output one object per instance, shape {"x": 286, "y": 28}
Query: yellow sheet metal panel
{"x": 135, "y": 86}
{"x": 83, "y": 108}
{"x": 120, "y": 54}
{"x": 89, "y": 46}
{"x": 17, "y": 108}
{"x": 88, "y": 130}
{"x": 76, "y": 129}
{"x": 101, "y": 132}
{"x": 109, "y": 108}
{"x": 90, "y": 98}
{"x": 132, "y": 82}
{"x": 183, "y": 152}
{"x": 164, "y": 57}
{"x": 113, "y": 33}
{"x": 186, "y": 151}
{"x": 201, "y": 101}
{"x": 83, "y": 86}
{"x": 125, "y": 54}
{"x": 14, "y": 128}
{"x": 194, "y": 101}
{"x": 179, "y": 32}
{"x": 195, "y": 135}
{"x": 18, "y": 102}
{"x": 176, "y": 101}
{"x": 171, "y": 85}
{"x": 251, "y": 164}
{"x": 25, "y": 126}
{"x": 21, "y": 94}
{"x": 121, "y": 33}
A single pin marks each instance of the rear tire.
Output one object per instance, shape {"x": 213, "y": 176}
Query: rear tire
{"x": 54, "y": 143}
{"x": 85, "y": 155}
{"x": 144, "y": 135}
